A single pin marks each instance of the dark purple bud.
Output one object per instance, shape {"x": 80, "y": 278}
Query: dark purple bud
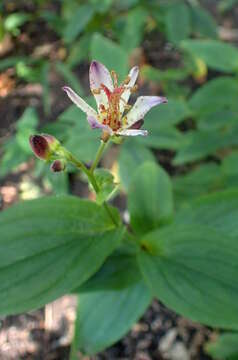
{"x": 43, "y": 145}
{"x": 137, "y": 125}
{"x": 57, "y": 166}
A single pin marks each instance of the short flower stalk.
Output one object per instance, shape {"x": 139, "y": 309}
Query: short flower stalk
{"x": 114, "y": 116}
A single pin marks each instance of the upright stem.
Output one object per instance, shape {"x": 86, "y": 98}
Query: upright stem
{"x": 91, "y": 177}
{"x": 98, "y": 156}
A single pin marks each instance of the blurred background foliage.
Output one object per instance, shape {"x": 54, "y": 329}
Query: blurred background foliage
{"x": 186, "y": 50}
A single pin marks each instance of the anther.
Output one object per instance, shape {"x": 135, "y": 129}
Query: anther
{"x": 134, "y": 88}
{"x": 115, "y": 79}
{"x": 127, "y": 80}
{"x": 96, "y": 91}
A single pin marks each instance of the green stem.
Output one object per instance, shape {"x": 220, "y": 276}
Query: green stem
{"x": 98, "y": 156}
{"x": 92, "y": 179}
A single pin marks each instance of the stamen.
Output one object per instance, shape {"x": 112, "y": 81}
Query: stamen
{"x": 134, "y": 88}
{"x": 127, "y": 80}
{"x": 115, "y": 79}
{"x": 107, "y": 91}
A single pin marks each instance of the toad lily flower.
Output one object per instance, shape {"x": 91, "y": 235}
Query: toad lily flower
{"x": 113, "y": 116}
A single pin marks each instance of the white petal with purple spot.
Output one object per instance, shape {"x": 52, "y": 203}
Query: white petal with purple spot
{"x": 142, "y": 105}
{"x": 133, "y": 74}
{"x": 99, "y": 74}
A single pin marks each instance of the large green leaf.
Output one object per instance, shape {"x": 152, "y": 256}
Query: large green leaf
{"x": 198, "y": 144}
{"x": 119, "y": 271}
{"x": 178, "y": 31}
{"x": 103, "y": 317}
{"x": 204, "y": 179}
{"x": 78, "y": 22}
{"x": 218, "y": 120}
{"x": 132, "y": 33}
{"x": 215, "y": 95}
{"x": 216, "y": 54}
{"x": 202, "y": 22}
{"x": 50, "y": 246}
{"x": 110, "y": 54}
{"x": 218, "y": 210}
{"x": 230, "y": 170}
{"x": 132, "y": 155}
{"x": 150, "y": 199}
{"x": 171, "y": 114}
{"x": 162, "y": 137}
{"x": 193, "y": 270}
{"x": 224, "y": 347}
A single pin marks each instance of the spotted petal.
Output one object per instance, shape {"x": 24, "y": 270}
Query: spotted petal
{"x": 77, "y": 100}
{"x": 99, "y": 74}
{"x": 133, "y": 74}
{"x": 128, "y": 132}
{"x": 142, "y": 105}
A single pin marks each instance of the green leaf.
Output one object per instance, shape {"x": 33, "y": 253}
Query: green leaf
{"x": 54, "y": 246}
{"x": 79, "y": 51}
{"x": 69, "y": 76}
{"x": 102, "y": 6}
{"x": 198, "y": 144}
{"x": 150, "y": 199}
{"x": 107, "y": 187}
{"x": 15, "y": 20}
{"x": 177, "y": 31}
{"x": 17, "y": 150}
{"x": 216, "y": 54}
{"x": 115, "y": 311}
{"x": 119, "y": 271}
{"x": 11, "y": 61}
{"x": 112, "y": 55}
{"x": 132, "y": 33}
{"x": 214, "y": 96}
{"x": 225, "y": 346}
{"x": 202, "y": 22}
{"x": 230, "y": 170}
{"x": 218, "y": 210}
{"x": 132, "y": 155}
{"x": 226, "y": 5}
{"x": 13, "y": 156}
{"x": 25, "y": 127}
{"x": 78, "y": 22}
{"x": 192, "y": 270}
{"x": 162, "y": 137}
{"x": 164, "y": 76}
{"x": 218, "y": 120}
{"x": 204, "y": 179}
{"x": 166, "y": 115}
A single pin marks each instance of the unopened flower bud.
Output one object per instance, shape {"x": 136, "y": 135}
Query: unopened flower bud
{"x": 44, "y": 145}
{"x": 57, "y": 166}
